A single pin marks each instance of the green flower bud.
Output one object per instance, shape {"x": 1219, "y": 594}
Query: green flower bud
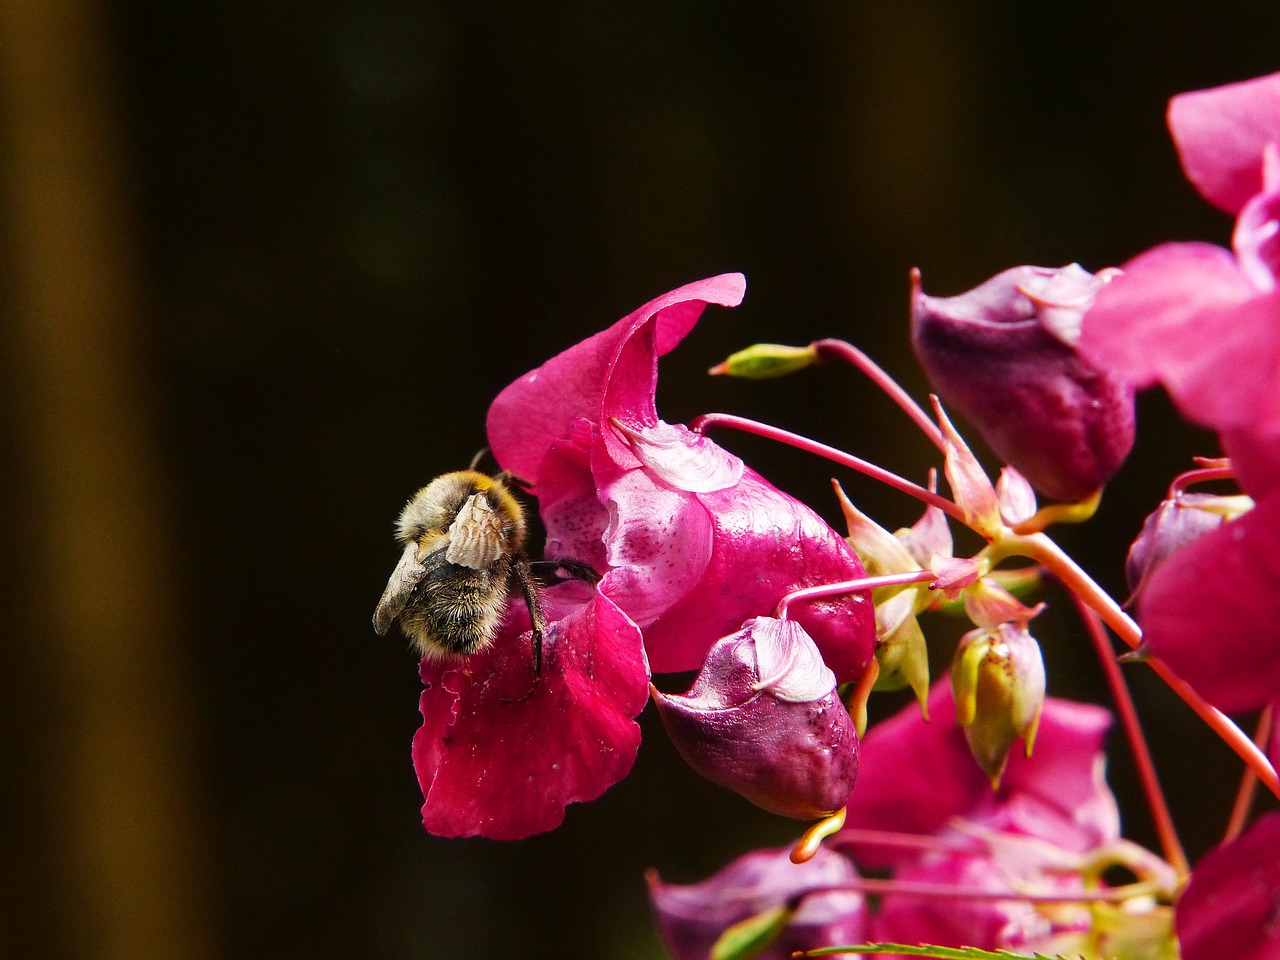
{"x": 764, "y": 361}
{"x": 997, "y": 679}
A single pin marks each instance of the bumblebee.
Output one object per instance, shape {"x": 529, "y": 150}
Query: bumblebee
{"x": 464, "y": 538}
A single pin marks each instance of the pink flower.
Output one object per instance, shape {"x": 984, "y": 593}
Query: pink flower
{"x": 1231, "y": 903}
{"x": 691, "y": 917}
{"x": 1201, "y": 320}
{"x": 918, "y": 777}
{"x": 690, "y": 542}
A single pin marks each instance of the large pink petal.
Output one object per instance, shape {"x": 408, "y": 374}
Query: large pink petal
{"x": 916, "y": 775}
{"x": 536, "y": 410}
{"x": 1220, "y": 134}
{"x": 1255, "y": 456}
{"x": 1184, "y": 315}
{"x": 500, "y": 755}
{"x": 1210, "y": 611}
{"x": 1230, "y": 905}
{"x": 764, "y": 545}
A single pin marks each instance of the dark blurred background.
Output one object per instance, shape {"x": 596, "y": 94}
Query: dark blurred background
{"x": 262, "y": 268}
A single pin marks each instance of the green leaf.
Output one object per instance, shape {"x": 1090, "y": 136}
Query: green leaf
{"x": 925, "y": 950}
{"x": 750, "y": 937}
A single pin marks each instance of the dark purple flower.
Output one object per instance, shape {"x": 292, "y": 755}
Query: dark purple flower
{"x": 691, "y": 918}
{"x": 764, "y": 719}
{"x": 1004, "y": 355}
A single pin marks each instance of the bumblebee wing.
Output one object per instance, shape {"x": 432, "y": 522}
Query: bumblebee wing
{"x": 408, "y": 572}
{"x": 476, "y": 537}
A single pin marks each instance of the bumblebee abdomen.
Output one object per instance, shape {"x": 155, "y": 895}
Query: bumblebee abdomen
{"x": 456, "y": 610}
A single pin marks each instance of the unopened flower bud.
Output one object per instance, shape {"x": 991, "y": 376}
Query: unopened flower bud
{"x": 997, "y": 679}
{"x": 1174, "y": 524}
{"x": 764, "y": 719}
{"x": 765, "y": 361}
{"x": 1004, "y": 355}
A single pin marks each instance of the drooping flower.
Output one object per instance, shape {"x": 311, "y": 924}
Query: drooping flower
{"x": 674, "y": 523}
{"x": 1004, "y": 354}
{"x": 691, "y": 918}
{"x": 764, "y": 718}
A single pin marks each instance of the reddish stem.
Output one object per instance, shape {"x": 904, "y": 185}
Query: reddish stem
{"x": 945, "y": 891}
{"x": 707, "y": 420}
{"x": 1248, "y": 782}
{"x": 1168, "y": 834}
{"x": 1203, "y": 475}
{"x": 842, "y": 350}
{"x": 1043, "y": 550}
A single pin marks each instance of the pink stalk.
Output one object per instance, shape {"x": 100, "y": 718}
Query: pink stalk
{"x": 1044, "y": 551}
{"x": 1248, "y": 783}
{"x": 1203, "y": 475}
{"x": 842, "y": 350}
{"x": 708, "y": 420}
{"x": 851, "y": 586}
{"x": 1168, "y": 834}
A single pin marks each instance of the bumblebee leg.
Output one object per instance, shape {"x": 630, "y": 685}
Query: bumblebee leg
{"x": 550, "y": 572}
{"x": 533, "y": 599}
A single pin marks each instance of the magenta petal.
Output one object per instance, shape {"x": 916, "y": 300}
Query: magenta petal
{"x": 1221, "y": 133}
{"x": 691, "y": 917}
{"x": 764, "y": 545}
{"x": 1183, "y": 314}
{"x": 1255, "y": 457}
{"x": 915, "y": 775}
{"x": 1231, "y": 904}
{"x": 535, "y": 411}
{"x": 500, "y": 755}
{"x": 1210, "y": 611}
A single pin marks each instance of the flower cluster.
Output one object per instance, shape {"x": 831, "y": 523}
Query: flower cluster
{"x": 979, "y": 815}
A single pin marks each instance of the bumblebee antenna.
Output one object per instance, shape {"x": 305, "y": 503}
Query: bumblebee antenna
{"x": 480, "y": 455}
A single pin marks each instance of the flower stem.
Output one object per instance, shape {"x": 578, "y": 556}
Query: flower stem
{"x": 1248, "y": 783}
{"x": 946, "y": 891}
{"x": 1168, "y": 834}
{"x": 708, "y": 420}
{"x": 1044, "y": 551}
{"x": 830, "y": 349}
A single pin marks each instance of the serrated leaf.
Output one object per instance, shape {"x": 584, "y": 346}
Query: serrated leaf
{"x": 926, "y": 950}
{"x": 750, "y": 937}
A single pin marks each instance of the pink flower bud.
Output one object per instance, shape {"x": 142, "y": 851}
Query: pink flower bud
{"x": 1174, "y": 524}
{"x": 764, "y": 719}
{"x": 998, "y": 681}
{"x": 1004, "y": 355}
